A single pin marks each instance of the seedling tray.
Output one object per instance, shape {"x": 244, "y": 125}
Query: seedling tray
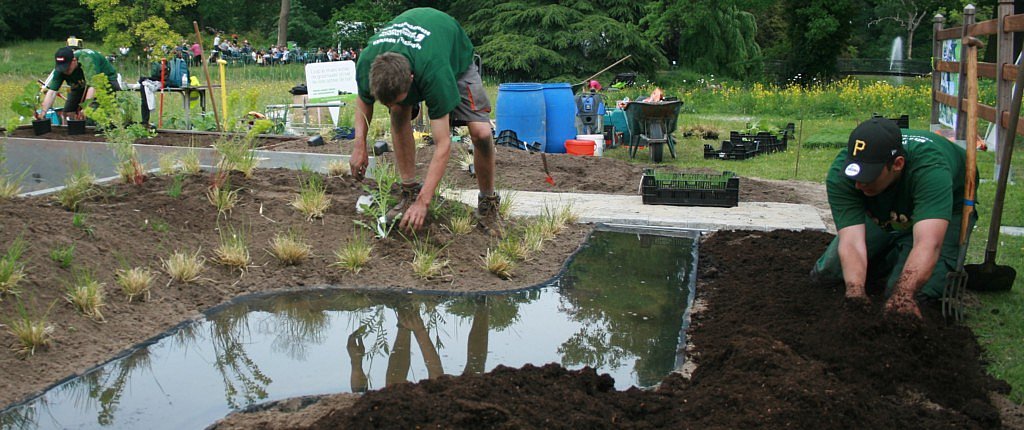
{"x": 690, "y": 189}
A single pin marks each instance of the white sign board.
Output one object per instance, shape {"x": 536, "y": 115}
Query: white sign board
{"x": 324, "y": 81}
{"x": 949, "y": 82}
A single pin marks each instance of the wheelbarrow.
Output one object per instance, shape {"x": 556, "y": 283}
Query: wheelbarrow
{"x": 651, "y": 125}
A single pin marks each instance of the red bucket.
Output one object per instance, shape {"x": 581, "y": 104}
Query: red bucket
{"x": 579, "y": 147}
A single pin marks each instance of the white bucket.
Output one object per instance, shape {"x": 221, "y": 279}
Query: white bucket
{"x": 598, "y": 140}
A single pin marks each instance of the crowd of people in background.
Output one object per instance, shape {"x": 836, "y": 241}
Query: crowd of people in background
{"x": 235, "y": 51}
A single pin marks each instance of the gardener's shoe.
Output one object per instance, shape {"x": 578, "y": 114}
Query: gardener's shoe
{"x": 488, "y": 218}
{"x": 408, "y": 196}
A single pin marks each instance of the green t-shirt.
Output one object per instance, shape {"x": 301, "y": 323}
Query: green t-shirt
{"x": 438, "y": 51}
{"x": 931, "y": 186}
{"x": 90, "y": 63}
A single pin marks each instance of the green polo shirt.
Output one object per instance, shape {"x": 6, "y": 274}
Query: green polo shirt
{"x": 90, "y": 63}
{"x": 438, "y": 51}
{"x": 931, "y": 187}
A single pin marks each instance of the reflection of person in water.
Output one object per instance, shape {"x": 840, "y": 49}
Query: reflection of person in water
{"x": 356, "y": 351}
{"x": 409, "y": 319}
{"x": 476, "y": 345}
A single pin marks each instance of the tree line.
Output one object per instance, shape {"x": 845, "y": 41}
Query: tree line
{"x": 534, "y": 39}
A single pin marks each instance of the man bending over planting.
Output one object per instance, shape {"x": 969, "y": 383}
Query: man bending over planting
{"x": 423, "y": 55}
{"x": 894, "y": 195}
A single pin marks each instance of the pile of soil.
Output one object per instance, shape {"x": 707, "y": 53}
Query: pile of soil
{"x": 772, "y": 351}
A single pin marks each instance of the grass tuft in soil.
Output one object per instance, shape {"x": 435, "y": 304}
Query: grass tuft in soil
{"x": 354, "y": 254}
{"x": 499, "y": 263}
{"x": 78, "y": 187}
{"x": 289, "y": 248}
{"x": 426, "y": 261}
{"x": 135, "y": 283}
{"x": 64, "y": 256}
{"x": 183, "y": 267}
{"x": 233, "y": 250}
{"x": 312, "y": 199}
{"x": 32, "y": 331}
{"x": 12, "y": 271}
{"x": 86, "y": 294}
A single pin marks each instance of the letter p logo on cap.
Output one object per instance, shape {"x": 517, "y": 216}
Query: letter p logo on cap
{"x": 858, "y": 146}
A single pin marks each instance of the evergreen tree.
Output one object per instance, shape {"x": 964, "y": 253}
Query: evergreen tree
{"x": 707, "y": 36}
{"x": 818, "y": 33}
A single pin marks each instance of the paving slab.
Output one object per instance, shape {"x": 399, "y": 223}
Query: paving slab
{"x": 630, "y": 210}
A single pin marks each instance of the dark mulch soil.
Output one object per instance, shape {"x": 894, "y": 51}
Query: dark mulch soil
{"x": 772, "y": 351}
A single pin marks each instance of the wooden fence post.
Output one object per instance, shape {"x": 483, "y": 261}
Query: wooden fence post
{"x": 961, "y": 116}
{"x": 936, "y": 78}
{"x": 1004, "y": 88}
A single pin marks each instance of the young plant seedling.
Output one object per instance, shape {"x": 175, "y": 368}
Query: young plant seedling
{"x": 12, "y": 270}
{"x": 426, "y": 261}
{"x": 167, "y": 163}
{"x": 508, "y": 200}
{"x": 338, "y": 167}
{"x": 10, "y": 185}
{"x": 233, "y": 250}
{"x": 289, "y": 248}
{"x": 135, "y": 283}
{"x": 184, "y": 267}
{"x": 63, "y": 255}
{"x": 514, "y": 248}
{"x": 354, "y": 253}
{"x": 312, "y": 199}
{"x": 190, "y": 162}
{"x": 176, "y": 185}
{"x": 386, "y": 177}
{"x": 78, "y": 187}
{"x": 32, "y": 331}
{"x": 461, "y": 220}
{"x": 499, "y": 264}
{"x": 78, "y": 220}
{"x": 221, "y": 196}
{"x": 86, "y": 294}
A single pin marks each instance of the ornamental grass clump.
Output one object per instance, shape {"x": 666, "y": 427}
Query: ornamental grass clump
{"x": 238, "y": 154}
{"x": 135, "y": 283}
{"x": 86, "y": 294}
{"x": 508, "y": 200}
{"x": 78, "y": 187}
{"x": 338, "y": 167}
{"x": 312, "y": 199}
{"x": 167, "y": 164}
{"x": 461, "y": 222}
{"x": 233, "y": 250}
{"x": 183, "y": 267}
{"x": 12, "y": 270}
{"x": 354, "y": 253}
{"x": 498, "y": 263}
{"x": 189, "y": 162}
{"x": 289, "y": 248}
{"x": 33, "y": 332}
{"x": 426, "y": 261}
{"x": 221, "y": 196}
{"x": 534, "y": 237}
{"x": 514, "y": 248}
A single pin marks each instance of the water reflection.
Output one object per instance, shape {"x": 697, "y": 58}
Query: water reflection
{"x": 619, "y": 308}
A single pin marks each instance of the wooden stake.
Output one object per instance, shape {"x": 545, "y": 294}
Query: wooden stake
{"x": 209, "y": 85}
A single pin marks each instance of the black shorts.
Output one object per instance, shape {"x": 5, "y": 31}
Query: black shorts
{"x": 76, "y": 95}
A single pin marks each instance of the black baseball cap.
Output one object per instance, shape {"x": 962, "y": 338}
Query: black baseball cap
{"x": 872, "y": 144}
{"x": 63, "y": 58}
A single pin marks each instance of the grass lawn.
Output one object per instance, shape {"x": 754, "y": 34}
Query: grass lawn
{"x": 824, "y": 116}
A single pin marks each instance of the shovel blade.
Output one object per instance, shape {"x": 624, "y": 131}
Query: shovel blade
{"x": 990, "y": 277}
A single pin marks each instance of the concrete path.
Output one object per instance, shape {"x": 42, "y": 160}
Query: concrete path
{"x": 630, "y": 210}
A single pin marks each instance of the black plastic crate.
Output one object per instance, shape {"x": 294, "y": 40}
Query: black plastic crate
{"x": 690, "y": 189}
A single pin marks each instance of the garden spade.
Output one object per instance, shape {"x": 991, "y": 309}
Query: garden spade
{"x": 988, "y": 276}
{"x": 544, "y": 161}
{"x": 952, "y": 296}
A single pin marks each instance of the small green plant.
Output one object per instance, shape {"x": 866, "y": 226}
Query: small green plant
{"x": 567, "y": 214}
{"x": 12, "y": 270}
{"x": 354, "y": 253}
{"x": 221, "y": 196}
{"x": 10, "y": 185}
{"x": 190, "y": 162}
{"x": 499, "y": 264}
{"x": 386, "y": 177}
{"x": 78, "y": 220}
{"x": 238, "y": 154}
{"x": 176, "y": 185}
{"x": 63, "y": 255}
{"x": 158, "y": 225}
{"x": 184, "y": 267}
{"x": 233, "y": 250}
{"x": 86, "y": 294}
{"x": 289, "y": 248}
{"x": 508, "y": 200}
{"x": 426, "y": 261}
{"x": 25, "y": 103}
{"x": 312, "y": 199}
{"x": 534, "y": 237}
{"x": 461, "y": 221}
{"x": 78, "y": 187}
{"x": 514, "y": 248}
{"x": 135, "y": 283}
{"x": 167, "y": 163}
{"x": 33, "y": 332}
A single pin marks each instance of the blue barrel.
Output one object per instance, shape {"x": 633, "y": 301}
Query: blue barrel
{"x": 561, "y": 116}
{"x": 520, "y": 108}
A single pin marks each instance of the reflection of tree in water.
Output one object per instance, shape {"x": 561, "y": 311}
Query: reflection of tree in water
{"x": 298, "y": 322}
{"x": 105, "y": 385}
{"x": 620, "y": 316}
{"x": 229, "y": 331}
{"x": 25, "y": 416}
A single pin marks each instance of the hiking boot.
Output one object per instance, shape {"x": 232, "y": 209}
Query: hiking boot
{"x": 408, "y": 196}
{"x": 487, "y": 216}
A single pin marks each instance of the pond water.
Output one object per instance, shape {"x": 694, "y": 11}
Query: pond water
{"x": 620, "y": 306}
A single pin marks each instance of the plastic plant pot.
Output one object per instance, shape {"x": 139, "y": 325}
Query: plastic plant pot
{"x": 41, "y": 126}
{"x": 76, "y": 126}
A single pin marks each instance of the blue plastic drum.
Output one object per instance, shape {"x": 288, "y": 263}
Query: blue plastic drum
{"x": 561, "y": 116}
{"x": 520, "y": 108}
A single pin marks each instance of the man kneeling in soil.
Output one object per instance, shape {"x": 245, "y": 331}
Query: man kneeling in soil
{"x": 897, "y": 199}
{"x": 423, "y": 55}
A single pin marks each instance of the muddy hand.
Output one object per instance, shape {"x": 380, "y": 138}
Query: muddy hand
{"x": 902, "y": 304}
{"x": 414, "y": 217}
{"x": 357, "y": 163}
